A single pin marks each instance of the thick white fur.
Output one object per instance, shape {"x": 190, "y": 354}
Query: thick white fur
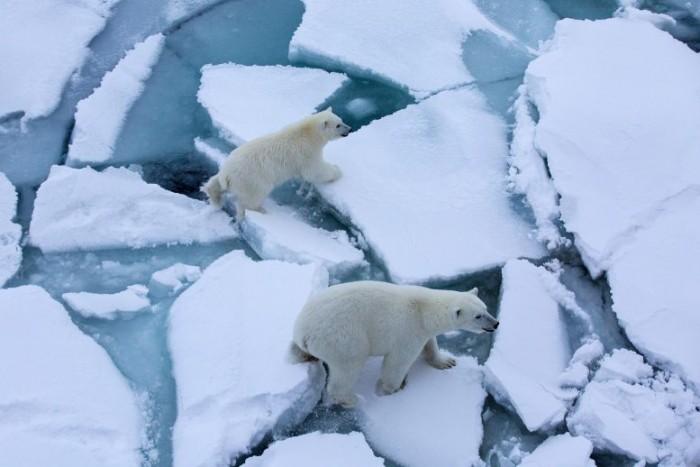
{"x": 347, "y": 323}
{"x": 255, "y": 168}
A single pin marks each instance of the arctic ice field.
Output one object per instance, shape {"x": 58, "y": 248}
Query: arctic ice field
{"x": 544, "y": 151}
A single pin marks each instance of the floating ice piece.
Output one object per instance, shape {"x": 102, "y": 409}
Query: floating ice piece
{"x": 81, "y": 209}
{"x": 653, "y": 281}
{"x": 281, "y": 234}
{"x": 109, "y": 306}
{"x": 618, "y": 166}
{"x": 318, "y": 450}
{"x": 449, "y": 399}
{"x": 563, "y": 451}
{"x": 63, "y": 400}
{"x": 171, "y": 280}
{"x": 404, "y": 42}
{"x": 651, "y": 419}
{"x": 229, "y": 334}
{"x": 426, "y": 187}
{"x": 523, "y": 369}
{"x": 246, "y": 102}
{"x": 100, "y": 117}
{"x": 10, "y": 233}
{"x": 42, "y": 43}
{"x": 211, "y": 150}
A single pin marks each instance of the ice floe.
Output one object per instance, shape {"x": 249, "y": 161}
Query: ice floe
{"x": 229, "y": 334}
{"x": 63, "y": 400}
{"x": 173, "y": 279}
{"x": 133, "y": 299}
{"x": 10, "y": 233}
{"x": 562, "y": 451}
{"x": 82, "y": 209}
{"x": 318, "y": 450}
{"x": 100, "y": 117}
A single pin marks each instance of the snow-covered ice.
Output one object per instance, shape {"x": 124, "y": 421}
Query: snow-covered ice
{"x": 133, "y": 299}
{"x": 623, "y": 146}
{"x": 42, "y": 43}
{"x": 426, "y": 187}
{"x": 434, "y": 420}
{"x": 411, "y": 44}
{"x": 281, "y": 234}
{"x": 318, "y": 450}
{"x": 627, "y": 410}
{"x": 62, "y": 400}
{"x": 82, "y": 209}
{"x": 246, "y": 102}
{"x": 229, "y": 334}
{"x": 561, "y": 451}
{"x": 524, "y": 369}
{"x": 10, "y": 233}
{"x": 100, "y": 117}
{"x": 173, "y": 279}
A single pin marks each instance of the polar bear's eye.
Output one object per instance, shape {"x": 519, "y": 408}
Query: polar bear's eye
{"x": 479, "y": 316}
{"x": 338, "y": 125}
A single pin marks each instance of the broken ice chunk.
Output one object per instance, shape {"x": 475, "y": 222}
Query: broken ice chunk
{"x": 100, "y": 117}
{"x": 246, "y": 102}
{"x": 228, "y": 337}
{"x": 318, "y": 450}
{"x": 171, "y": 280}
{"x": 63, "y": 400}
{"x": 561, "y": 450}
{"x": 81, "y": 209}
{"x": 281, "y": 234}
{"x": 128, "y": 302}
{"x": 452, "y": 400}
{"x": 10, "y": 233}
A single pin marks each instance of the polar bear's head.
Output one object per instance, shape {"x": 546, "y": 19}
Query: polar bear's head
{"x": 470, "y": 314}
{"x": 331, "y": 125}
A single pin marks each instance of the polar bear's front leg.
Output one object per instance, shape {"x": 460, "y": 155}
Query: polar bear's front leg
{"x": 435, "y": 358}
{"x": 322, "y": 173}
{"x": 394, "y": 370}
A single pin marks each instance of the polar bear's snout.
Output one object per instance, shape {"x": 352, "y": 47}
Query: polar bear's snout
{"x": 492, "y": 328}
{"x": 343, "y": 129}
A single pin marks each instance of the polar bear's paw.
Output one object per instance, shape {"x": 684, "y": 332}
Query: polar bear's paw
{"x": 347, "y": 401}
{"x": 442, "y": 362}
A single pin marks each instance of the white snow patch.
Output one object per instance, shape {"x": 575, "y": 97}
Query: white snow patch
{"x": 82, "y": 209}
{"x": 229, "y": 334}
{"x": 173, "y": 279}
{"x": 207, "y": 148}
{"x": 63, "y": 400}
{"x": 128, "y": 302}
{"x": 246, "y": 102}
{"x": 426, "y": 187}
{"x": 100, "y": 117}
{"x": 562, "y": 451}
{"x": 318, "y": 450}
{"x": 10, "y": 233}
{"x": 434, "y": 420}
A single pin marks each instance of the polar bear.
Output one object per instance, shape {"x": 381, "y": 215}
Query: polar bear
{"x": 345, "y": 324}
{"x": 253, "y": 169}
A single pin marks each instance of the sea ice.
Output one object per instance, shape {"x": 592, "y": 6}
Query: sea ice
{"x": 82, "y": 209}
{"x": 281, "y": 234}
{"x": 10, "y": 233}
{"x": 426, "y": 187}
{"x": 173, "y": 279}
{"x": 536, "y": 376}
{"x": 626, "y": 410}
{"x": 318, "y": 450}
{"x": 133, "y": 299}
{"x": 100, "y": 117}
{"x": 562, "y": 451}
{"x": 246, "y": 102}
{"x": 63, "y": 400}
{"x": 228, "y": 337}
{"x": 411, "y": 44}
{"x": 434, "y": 420}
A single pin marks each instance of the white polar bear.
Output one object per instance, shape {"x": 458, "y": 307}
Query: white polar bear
{"x": 253, "y": 169}
{"x": 345, "y": 324}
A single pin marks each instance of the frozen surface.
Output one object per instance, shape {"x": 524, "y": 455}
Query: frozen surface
{"x": 524, "y": 369}
{"x": 63, "y": 401}
{"x": 10, "y": 233}
{"x": 426, "y": 187}
{"x": 318, "y": 450}
{"x": 100, "y": 117}
{"x": 654, "y": 288}
{"x": 82, "y": 209}
{"x": 628, "y": 411}
{"x": 246, "y": 102}
{"x": 434, "y": 420}
{"x": 281, "y": 234}
{"x": 173, "y": 279}
{"x": 563, "y": 451}
{"x": 402, "y": 42}
{"x": 129, "y": 301}
{"x": 229, "y": 334}
{"x": 618, "y": 166}
{"x": 42, "y": 43}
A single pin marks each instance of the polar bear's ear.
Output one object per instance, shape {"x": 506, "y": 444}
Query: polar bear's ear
{"x": 473, "y": 291}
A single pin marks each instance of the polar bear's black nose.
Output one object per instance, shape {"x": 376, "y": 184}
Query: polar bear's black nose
{"x": 495, "y": 326}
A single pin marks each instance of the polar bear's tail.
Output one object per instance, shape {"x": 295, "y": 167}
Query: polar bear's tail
{"x": 213, "y": 190}
{"x": 297, "y": 355}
